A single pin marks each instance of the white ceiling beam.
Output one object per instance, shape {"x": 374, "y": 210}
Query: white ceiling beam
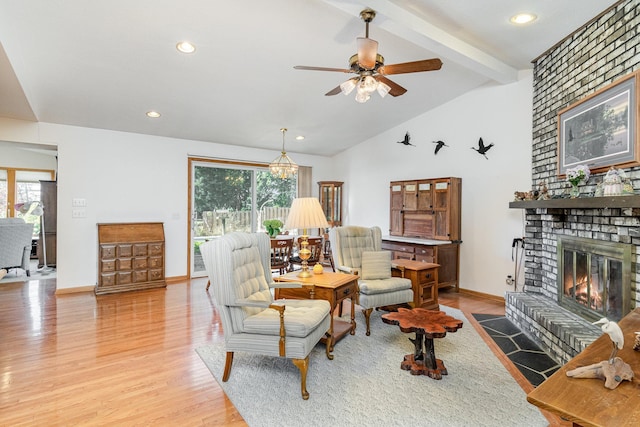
{"x": 412, "y": 28}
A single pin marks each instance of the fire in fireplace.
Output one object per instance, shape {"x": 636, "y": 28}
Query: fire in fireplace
{"x": 594, "y": 277}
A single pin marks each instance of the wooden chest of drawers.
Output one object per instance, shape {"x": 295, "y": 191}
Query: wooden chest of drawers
{"x": 424, "y": 281}
{"x": 130, "y": 257}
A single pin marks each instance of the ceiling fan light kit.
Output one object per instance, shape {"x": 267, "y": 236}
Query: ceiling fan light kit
{"x": 368, "y": 64}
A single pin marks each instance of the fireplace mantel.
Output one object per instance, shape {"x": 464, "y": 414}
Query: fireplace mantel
{"x": 580, "y": 203}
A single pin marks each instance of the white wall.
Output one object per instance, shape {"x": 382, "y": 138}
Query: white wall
{"x": 133, "y": 177}
{"x": 499, "y": 114}
{"x": 26, "y": 159}
{"x": 125, "y": 177}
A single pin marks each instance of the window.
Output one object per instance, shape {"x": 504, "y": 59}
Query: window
{"x": 22, "y": 186}
{"x": 229, "y": 197}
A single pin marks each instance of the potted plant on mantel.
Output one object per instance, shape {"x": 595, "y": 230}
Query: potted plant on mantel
{"x": 273, "y": 226}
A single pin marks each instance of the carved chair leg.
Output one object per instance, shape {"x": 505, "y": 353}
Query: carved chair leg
{"x": 303, "y": 366}
{"x": 367, "y": 315}
{"x": 227, "y": 366}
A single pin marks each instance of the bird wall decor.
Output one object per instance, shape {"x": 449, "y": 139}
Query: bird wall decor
{"x": 406, "y": 140}
{"x": 439, "y": 145}
{"x": 482, "y": 149}
{"x": 614, "y": 370}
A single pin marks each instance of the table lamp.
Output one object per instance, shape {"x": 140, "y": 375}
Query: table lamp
{"x": 305, "y": 213}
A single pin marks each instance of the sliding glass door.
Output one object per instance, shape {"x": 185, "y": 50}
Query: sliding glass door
{"x": 233, "y": 197}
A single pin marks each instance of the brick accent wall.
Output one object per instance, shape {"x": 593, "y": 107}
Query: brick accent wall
{"x": 596, "y": 55}
{"x": 604, "y": 50}
{"x": 593, "y": 57}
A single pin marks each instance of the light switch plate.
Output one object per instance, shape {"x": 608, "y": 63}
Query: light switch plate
{"x": 78, "y": 213}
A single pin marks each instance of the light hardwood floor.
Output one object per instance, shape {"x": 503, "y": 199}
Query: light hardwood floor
{"x": 123, "y": 359}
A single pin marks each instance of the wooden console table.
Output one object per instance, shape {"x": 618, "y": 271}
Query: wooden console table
{"x": 585, "y": 401}
{"x": 333, "y": 287}
{"x": 427, "y": 324}
{"x": 446, "y": 254}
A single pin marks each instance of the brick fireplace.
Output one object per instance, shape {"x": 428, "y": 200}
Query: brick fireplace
{"x": 602, "y": 51}
{"x": 565, "y": 331}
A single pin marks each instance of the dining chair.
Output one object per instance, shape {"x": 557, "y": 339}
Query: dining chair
{"x": 281, "y": 250}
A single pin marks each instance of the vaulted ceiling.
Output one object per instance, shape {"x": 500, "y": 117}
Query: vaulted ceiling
{"x": 104, "y": 64}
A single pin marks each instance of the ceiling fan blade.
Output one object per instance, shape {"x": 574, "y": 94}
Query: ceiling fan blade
{"x": 367, "y": 51}
{"x": 336, "y": 90}
{"x": 411, "y": 67}
{"x": 340, "y": 70}
{"x": 396, "y": 89}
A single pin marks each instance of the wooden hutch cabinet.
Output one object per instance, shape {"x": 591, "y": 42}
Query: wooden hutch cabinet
{"x": 425, "y": 224}
{"x": 330, "y": 194}
{"x": 130, "y": 257}
{"x": 426, "y": 208}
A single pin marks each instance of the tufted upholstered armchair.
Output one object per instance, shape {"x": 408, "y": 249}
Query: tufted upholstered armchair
{"x": 239, "y": 269}
{"x": 15, "y": 243}
{"x": 358, "y": 250}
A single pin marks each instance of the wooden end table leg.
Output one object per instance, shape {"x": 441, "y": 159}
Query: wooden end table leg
{"x": 353, "y": 316}
{"x": 331, "y": 343}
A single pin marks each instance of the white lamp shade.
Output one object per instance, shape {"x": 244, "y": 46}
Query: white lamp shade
{"x": 306, "y": 212}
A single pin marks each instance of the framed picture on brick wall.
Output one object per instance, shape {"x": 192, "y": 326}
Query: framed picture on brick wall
{"x": 601, "y": 130}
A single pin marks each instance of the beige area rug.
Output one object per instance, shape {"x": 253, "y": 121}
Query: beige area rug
{"x": 364, "y": 385}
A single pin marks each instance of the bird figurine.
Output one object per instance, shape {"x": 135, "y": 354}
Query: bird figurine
{"x": 615, "y": 333}
{"x": 612, "y": 371}
{"x": 482, "y": 149}
{"x": 439, "y": 145}
{"x": 406, "y": 140}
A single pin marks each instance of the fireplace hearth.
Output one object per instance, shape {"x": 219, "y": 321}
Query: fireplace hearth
{"x": 594, "y": 277}
{"x": 557, "y": 312}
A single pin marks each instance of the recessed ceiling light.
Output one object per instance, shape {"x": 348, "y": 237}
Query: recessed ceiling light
{"x": 186, "y": 47}
{"x": 300, "y": 137}
{"x": 153, "y": 114}
{"x": 523, "y": 18}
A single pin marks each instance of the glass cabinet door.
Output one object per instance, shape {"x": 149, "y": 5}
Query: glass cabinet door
{"x": 330, "y": 193}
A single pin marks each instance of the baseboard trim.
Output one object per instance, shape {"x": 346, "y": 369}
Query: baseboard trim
{"x": 175, "y": 279}
{"x": 481, "y": 295}
{"x": 61, "y": 291}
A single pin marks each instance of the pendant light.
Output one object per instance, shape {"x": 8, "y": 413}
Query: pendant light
{"x": 283, "y": 167}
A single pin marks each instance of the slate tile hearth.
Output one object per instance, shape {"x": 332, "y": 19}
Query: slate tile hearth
{"x": 525, "y": 354}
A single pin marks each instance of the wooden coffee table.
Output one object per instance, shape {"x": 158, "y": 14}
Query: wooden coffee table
{"x": 333, "y": 287}
{"x": 427, "y": 324}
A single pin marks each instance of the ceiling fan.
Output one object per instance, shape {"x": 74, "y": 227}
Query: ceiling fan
{"x": 369, "y": 66}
